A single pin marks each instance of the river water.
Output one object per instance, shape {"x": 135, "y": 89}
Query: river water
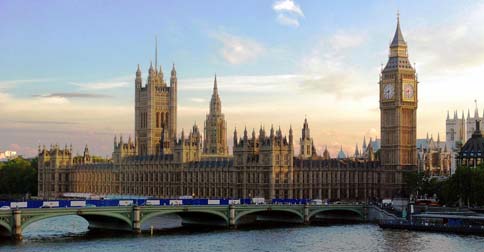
{"x": 70, "y": 233}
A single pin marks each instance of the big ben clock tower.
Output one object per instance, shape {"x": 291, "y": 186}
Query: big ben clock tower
{"x": 398, "y": 110}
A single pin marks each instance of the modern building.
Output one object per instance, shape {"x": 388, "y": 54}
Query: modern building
{"x": 159, "y": 164}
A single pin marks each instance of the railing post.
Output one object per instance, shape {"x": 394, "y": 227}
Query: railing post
{"x": 232, "y": 216}
{"x": 17, "y": 225}
{"x": 136, "y": 219}
{"x": 306, "y": 214}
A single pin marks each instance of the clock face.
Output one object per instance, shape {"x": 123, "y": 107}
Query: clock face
{"x": 408, "y": 91}
{"x": 388, "y": 91}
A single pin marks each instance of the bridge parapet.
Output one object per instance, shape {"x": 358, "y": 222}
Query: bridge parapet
{"x": 131, "y": 218}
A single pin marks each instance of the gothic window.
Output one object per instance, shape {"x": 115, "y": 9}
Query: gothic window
{"x": 157, "y": 119}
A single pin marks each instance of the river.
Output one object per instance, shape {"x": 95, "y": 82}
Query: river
{"x": 70, "y": 233}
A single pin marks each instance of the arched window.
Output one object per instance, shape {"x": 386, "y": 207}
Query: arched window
{"x": 157, "y": 119}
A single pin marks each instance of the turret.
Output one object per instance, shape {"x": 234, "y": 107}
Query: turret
{"x": 291, "y": 137}
{"x": 173, "y": 103}
{"x": 235, "y": 137}
{"x": 138, "y": 81}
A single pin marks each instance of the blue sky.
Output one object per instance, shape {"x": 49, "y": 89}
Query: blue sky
{"x": 67, "y": 67}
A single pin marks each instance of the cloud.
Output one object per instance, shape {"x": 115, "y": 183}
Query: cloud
{"x": 72, "y": 95}
{"x": 45, "y": 122}
{"x": 237, "y": 50}
{"x": 328, "y": 67}
{"x": 288, "y": 12}
{"x": 103, "y": 85}
{"x": 6, "y": 84}
{"x": 197, "y": 100}
{"x": 451, "y": 47}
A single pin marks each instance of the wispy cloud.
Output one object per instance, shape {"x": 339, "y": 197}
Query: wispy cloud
{"x": 452, "y": 47}
{"x": 7, "y": 84}
{"x": 237, "y": 50}
{"x": 72, "y": 95}
{"x": 328, "y": 66}
{"x": 288, "y": 12}
{"x": 103, "y": 85}
{"x": 198, "y": 100}
{"x": 45, "y": 122}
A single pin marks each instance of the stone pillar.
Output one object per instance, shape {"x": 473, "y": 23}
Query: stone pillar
{"x": 232, "y": 216}
{"x": 306, "y": 214}
{"x": 17, "y": 225}
{"x": 136, "y": 219}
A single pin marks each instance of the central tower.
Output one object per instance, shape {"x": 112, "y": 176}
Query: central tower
{"x": 398, "y": 110}
{"x": 215, "y": 127}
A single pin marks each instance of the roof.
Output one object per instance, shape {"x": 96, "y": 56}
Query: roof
{"x": 474, "y": 147}
{"x": 398, "y": 39}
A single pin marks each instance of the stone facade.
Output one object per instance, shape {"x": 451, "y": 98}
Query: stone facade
{"x": 264, "y": 165}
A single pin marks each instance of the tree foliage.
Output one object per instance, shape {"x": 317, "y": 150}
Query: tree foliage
{"x": 465, "y": 187}
{"x": 18, "y": 177}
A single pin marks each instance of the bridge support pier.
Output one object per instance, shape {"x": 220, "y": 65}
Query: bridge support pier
{"x": 306, "y": 214}
{"x": 17, "y": 225}
{"x": 232, "y": 216}
{"x": 136, "y": 219}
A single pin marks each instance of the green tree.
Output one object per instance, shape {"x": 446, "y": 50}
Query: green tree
{"x": 18, "y": 177}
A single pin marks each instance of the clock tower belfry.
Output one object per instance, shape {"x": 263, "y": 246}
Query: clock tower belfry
{"x": 398, "y": 111}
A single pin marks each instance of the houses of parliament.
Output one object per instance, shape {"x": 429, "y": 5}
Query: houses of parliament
{"x": 159, "y": 162}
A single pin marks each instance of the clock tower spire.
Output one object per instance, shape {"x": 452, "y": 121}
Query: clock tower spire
{"x": 398, "y": 111}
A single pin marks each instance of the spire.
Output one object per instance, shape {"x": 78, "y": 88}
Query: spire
{"x": 476, "y": 111}
{"x": 215, "y": 103}
{"x": 398, "y": 39}
{"x": 156, "y": 52}
{"x": 448, "y": 116}
{"x": 364, "y": 143}
{"x": 173, "y": 70}
{"x": 138, "y": 71}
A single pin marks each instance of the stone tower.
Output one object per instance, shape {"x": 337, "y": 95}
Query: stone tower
{"x": 398, "y": 110}
{"x": 306, "y": 141}
{"x": 455, "y": 130}
{"x": 215, "y": 127}
{"x": 155, "y": 111}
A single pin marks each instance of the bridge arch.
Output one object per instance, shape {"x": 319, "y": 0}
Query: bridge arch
{"x": 147, "y": 216}
{"x": 342, "y": 210}
{"x": 89, "y": 217}
{"x": 293, "y": 212}
{"x": 5, "y": 228}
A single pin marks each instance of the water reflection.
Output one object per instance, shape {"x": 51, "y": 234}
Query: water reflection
{"x": 71, "y": 233}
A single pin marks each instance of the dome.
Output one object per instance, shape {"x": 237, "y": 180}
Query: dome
{"x": 341, "y": 154}
{"x": 474, "y": 147}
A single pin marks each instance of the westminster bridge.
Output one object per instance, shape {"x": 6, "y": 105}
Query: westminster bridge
{"x": 131, "y": 218}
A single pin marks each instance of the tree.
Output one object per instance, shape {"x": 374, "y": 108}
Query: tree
{"x": 18, "y": 177}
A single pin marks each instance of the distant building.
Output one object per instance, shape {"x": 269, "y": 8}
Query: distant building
{"x": 460, "y": 129}
{"x": 434, "y": 158}
{"x": 7, "y": 155}
{"x": 472, "y": 152}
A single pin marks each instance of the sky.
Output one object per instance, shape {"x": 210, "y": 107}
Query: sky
{"x": 67, "y": 68}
